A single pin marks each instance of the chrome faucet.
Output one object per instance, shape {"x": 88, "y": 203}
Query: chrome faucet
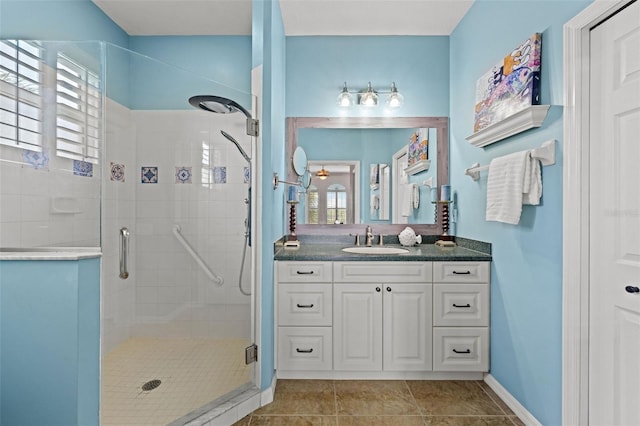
{"x": 369, "y": 236}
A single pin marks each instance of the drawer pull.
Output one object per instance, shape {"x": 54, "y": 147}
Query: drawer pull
{"x": 468, "y": 351}
{"x": 304, "y": 272}
{"x": 304, "y": 306}
{"x": 461, "y": 306}
{"x": 304, "y": 351}
{"x": 462, "y": 273}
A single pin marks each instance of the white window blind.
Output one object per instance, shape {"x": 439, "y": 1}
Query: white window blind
{"x": 78, "y": 118}
{"x": 21, "y": 74}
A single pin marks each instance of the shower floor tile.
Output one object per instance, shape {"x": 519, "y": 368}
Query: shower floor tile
{"x": 193, "y": 372}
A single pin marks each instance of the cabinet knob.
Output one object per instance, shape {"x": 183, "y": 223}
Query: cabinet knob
{"x": 468, "y": 351}
{"x": 304, "y": 351}
{"x": 304, "y": 272}
{"x": 632, "y": 289}
{"x": 461, "y": 306}
{"x": 378, "y": 289}
{"x": 389, "y": 289}
{"x": 304, "y": 306}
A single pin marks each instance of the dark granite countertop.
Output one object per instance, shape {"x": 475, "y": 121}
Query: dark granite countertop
{"x": 330, "y": 249}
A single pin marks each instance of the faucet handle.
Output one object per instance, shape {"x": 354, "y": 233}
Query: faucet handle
{"x": 357, "y": 241}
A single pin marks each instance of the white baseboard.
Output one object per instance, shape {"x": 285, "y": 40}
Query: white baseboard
{"x": 266, "y": 396}
{"x": 517, "y": 408}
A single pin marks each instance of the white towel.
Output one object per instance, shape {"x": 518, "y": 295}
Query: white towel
{"x": 374, "y": 204}
{"x": 406, "y": 203}
{"x": 415, "y": 195}
{"x": 513, "y": 179}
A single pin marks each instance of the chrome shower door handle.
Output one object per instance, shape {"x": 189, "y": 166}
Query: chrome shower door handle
{"x": 124, "y": 252}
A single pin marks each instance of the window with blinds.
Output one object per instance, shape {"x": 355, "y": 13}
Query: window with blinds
{"x": 21, "y": 76}
{"x": 79, "y": 104}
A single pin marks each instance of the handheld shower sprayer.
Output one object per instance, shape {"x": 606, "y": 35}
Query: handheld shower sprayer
{"x": 235, "y": 142}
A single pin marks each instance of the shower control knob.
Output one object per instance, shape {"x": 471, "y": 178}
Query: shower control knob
{"x": 246, "y": 201}
{"x": 632, "y": 289}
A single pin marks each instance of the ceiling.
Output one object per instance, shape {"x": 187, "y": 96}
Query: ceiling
{"x": 301, "y": 17}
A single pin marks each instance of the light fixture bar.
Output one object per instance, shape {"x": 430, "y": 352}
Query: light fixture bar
{"x": 369, "y": 97}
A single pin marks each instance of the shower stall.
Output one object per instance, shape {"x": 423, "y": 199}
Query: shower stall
{"x": 124, "y": 163}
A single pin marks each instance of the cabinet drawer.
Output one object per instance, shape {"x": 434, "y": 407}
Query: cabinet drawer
{"x": 304, "y": 304}
{"x": 304, "y": 272}
{"x": 382, "y": 272}
{"x": 461, "y": 305}
{"x": 460, "y": 349}
{"x": 461, "y": 272}
{"x": 304, "y": 348}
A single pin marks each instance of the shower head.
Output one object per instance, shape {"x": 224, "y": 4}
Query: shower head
{"x": 235, "y": 142}
{"x": 217, "y": 104}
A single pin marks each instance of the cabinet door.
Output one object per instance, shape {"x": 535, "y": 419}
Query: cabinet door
{"x": 357, "y": 327}
{"x": 407, "y": 327}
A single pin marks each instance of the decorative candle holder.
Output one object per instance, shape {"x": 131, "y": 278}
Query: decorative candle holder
{"x": 292, "y": 238}
{"x": 445, "y": 240}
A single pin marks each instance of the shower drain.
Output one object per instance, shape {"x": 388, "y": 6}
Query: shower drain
{"x": 151, "y": 385}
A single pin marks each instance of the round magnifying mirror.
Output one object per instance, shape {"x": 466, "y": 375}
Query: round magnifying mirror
{"x": 306, "y": 179}
{"x": 299, "y": 161}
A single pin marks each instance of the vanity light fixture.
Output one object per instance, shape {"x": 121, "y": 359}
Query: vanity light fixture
{"x": 344, "y": 98}
{"x": 369, "y": 96}
{"x": 395, "y": 99}
{"x": 322, "y": 173}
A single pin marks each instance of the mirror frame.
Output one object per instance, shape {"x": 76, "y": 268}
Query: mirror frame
{"x": 441, "y": 124}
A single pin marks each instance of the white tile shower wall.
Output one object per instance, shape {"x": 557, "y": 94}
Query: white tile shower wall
{"x": 48, "y": 206}
{"x": 118, "y": 295}
{"x": 173, "y": 296}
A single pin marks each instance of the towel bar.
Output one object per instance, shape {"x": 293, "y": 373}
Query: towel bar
{"x": 546, "y": 154}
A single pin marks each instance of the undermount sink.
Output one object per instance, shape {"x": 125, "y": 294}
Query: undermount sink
{"x": 374, "y": 250}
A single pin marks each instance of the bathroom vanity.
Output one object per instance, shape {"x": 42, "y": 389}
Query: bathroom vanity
{"x": 418, "y": 315}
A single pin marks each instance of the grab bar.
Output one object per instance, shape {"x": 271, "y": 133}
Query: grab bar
{"x": 212, "y": 276}
{"x": 124, "y": 252}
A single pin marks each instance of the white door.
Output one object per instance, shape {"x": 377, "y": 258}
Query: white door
{"x": 357, "y": 327}
{"x": 407, "y": 327}
{"x": 614, "y": 311}
{"x": 398, "y": 180}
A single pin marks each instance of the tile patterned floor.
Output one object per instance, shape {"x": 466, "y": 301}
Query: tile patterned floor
{"x": 383, "y": 402}
{"x": 193, "y": 372}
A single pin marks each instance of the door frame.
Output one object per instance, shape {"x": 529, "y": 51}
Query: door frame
{"x": 575, "y": 212}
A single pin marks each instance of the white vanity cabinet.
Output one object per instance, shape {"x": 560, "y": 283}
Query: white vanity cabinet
{"x": 381, "y": 316}
{"x": 382, "y": 319}
{"x": 461, "y": 316}
{"x": 304, "y": 306}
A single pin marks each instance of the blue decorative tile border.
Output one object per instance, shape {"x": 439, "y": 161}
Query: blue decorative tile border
{"x": 219, "y": 175}
{"x": 149, "y": 175}
{"x": 82, "y": 168}
{"x": 38, "y": 160}
{"x": 183, "y": 174}
{"x": 117, "y": 172}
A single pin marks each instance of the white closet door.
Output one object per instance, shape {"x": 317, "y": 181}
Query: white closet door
{"x": 614, "y": 312}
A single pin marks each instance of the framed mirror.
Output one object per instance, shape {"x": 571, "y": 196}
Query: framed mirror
{"x": 437, "y": 127}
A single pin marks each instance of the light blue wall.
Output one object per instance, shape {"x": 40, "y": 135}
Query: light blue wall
{"x": 269, "y": 51}
{"x": 58, "y": 20}
{"x": 317, "y": 67}
{"x": 225, "y": 59}
{"x": 526, "y": 275}
{"x": 50, "y": 334}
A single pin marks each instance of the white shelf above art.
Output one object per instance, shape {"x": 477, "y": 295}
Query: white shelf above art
{"x": 526, "y": 119}
{"x": 418, "y": 167}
